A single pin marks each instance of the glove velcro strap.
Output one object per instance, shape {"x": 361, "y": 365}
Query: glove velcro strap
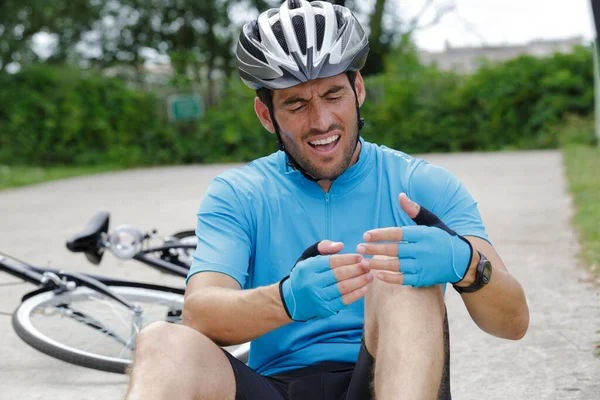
{"x": 282, "y": 298}
{"x": 426, "y": 217}
{"x": 311, "y": 251}
{"x": 470, "y": 258}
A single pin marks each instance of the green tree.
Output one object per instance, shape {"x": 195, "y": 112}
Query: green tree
{"x": 66, "y": 21}
{"x": 388, "y": 30}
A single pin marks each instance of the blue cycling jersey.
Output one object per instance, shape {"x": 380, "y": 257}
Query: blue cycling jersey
{"x": 255, "y": 221}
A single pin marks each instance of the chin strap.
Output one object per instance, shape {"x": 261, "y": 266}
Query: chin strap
{"x": 291, "y": 161}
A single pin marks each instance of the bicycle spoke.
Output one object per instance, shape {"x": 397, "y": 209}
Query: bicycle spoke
{"x": 89, "y": 326}
{"x": 91, "y": 322}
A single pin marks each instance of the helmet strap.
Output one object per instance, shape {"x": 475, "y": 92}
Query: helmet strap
{"x": 361, "y": 121}
{"x": 291, "y": 161}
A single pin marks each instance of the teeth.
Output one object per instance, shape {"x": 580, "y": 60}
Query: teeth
{"x": 325, "y": 141}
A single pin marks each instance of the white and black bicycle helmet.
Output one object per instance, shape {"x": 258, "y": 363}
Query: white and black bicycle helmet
{"x": 298, "y": 42}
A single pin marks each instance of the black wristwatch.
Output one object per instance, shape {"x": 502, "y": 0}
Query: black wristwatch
{"x": 482, "y": 278}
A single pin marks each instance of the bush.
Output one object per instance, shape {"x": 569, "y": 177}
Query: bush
{"x": 575, "y": 130}
{"x": 52, "y": 116}
{"x": 513, "y": 105}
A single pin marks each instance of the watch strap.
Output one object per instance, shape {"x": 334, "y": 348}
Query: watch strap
{"x": 480, "y": 279}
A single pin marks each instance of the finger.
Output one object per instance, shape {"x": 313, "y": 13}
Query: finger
{"x": 408, "y": 206}
{"x": 385, "y": 249}
{"x": 411, "y": 279}
{"x": 409, "y": 266}
{"x": 352, "y": 284}
{"x": 350, "y": 271}
{"x": 337, "y": 304}
{"x": 383, "y": 234}
{"x": 339, "y": 260}
{"x": 405, "y": 265}
{"x": 415, "y": 233}
{"x": 354, "y": 296}
{"x": 386, "y": 264}
{"x": 327, "y": 247}
{"x": 391, "y": 277}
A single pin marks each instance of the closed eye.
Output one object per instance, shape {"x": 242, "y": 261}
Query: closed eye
{"x": 300, "y": 107}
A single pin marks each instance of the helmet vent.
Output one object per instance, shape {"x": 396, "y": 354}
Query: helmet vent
{"x": 298, "y": 23}
{"x": 250, "y": 48}
{"x": 280, "y": 36}
{"x": 320, "y": 21}
{"x": 346, "y": 39}
{"x": 340, "y": 19}
{"x": 256, "y": 31}
{"x": 293, "y": 4}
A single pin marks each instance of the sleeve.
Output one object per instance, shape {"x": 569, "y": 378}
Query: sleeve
{"x": 441, "y": 192}
{"x": 224, "y": 239}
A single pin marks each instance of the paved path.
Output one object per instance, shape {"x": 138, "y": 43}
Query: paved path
{"x": 524, "y": 204}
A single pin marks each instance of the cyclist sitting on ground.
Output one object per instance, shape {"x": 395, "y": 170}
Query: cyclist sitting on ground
{"x": 332, "y": 255}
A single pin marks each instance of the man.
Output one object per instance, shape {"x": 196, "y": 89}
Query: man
{"x": 331, "y": 256}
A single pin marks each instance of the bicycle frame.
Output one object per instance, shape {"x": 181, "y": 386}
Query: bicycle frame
{"x": 93, "y": 241}
{"x": 162, "y": 265}
{"x": 60, "y": 280}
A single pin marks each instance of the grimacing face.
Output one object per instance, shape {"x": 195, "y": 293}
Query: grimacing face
{"x": 318, "y": 123}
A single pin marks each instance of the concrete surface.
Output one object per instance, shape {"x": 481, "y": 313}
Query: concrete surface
{"x": 523, "y": 201}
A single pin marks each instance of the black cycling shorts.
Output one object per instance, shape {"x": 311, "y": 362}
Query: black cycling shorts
{"x": 326, "y": 381}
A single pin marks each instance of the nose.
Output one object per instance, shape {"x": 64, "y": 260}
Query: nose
{"x": 320, "y": 118}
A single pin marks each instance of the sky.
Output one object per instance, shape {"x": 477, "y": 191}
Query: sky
{"x": 480, "y": 22}
{"x": 497, "y": 22}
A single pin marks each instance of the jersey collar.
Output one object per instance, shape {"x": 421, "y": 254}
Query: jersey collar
{"x": 345, "y": 182}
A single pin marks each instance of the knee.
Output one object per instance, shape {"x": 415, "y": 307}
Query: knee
{"x": 156, "y": 340}
{"x": 387, "y": 297}
{"x": 193, "y": 364}
{"x": 403, "y": 310}
{"x": 167, "y": 341}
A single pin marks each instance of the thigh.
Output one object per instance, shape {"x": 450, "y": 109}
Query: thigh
{"x": 250, "y": 385}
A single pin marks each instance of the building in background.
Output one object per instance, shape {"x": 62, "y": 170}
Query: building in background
{"x": 468, "y": 59}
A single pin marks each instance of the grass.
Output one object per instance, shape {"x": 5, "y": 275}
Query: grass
{"x": 582, "y": 165}
{"x": 16, "y": 176}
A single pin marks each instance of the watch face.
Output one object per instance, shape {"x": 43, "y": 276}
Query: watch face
{"x": 487, "y": 272}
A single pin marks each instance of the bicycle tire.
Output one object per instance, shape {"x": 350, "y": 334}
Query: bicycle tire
{"x": 45, "y": 303}
{"x": 184, "y": 234}
{"x": 181, "y": 257}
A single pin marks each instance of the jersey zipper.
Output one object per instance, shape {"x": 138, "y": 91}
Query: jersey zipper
{"x": 328, "y": 216}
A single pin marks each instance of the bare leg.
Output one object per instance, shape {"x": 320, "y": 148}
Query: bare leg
{"x": 404, "y": 333}
{"x": 176, "y": 362}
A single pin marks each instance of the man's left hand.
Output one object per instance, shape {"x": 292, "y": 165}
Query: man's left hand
{"x": 427, "y": 254}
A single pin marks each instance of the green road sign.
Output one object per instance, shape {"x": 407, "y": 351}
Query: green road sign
{"x": 185, "y": 107}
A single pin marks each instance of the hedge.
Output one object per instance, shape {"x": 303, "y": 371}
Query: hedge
{"x": 51, "y": 116}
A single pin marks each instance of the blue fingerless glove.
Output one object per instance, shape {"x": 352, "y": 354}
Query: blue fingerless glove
{"x": 310, "y": 291}
{"x": 431, "y": 253}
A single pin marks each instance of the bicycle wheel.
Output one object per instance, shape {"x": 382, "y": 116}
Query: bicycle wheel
{"x": 86, "y": 328}
{"x": 181, "y": 256}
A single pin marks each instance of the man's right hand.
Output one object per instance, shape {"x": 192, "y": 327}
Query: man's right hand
{"x": 320, "y": 285}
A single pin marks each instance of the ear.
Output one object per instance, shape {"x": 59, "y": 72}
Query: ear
{"x": 262, "y": 111}
{"x": 359, "y": 85}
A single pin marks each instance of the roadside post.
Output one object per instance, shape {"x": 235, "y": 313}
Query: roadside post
{"x": 596, "y": 14}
